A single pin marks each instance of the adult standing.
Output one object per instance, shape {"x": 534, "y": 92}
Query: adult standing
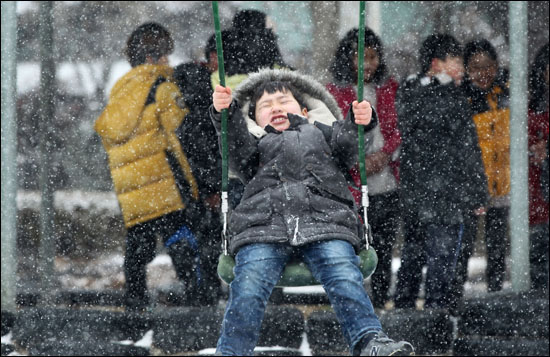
{"x": 248, "y": 46}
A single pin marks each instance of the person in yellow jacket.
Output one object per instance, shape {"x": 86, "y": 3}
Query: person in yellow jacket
{"x": 154, "y": 184}
{"x": 486, "y": 86}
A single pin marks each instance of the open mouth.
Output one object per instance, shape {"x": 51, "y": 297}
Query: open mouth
{"x": 278, "y": 119}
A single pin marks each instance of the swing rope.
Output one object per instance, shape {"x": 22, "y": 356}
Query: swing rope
{"x": 360, "y": 128}
{"x": 225, "y": 179}
{"x": 294, "y": 274}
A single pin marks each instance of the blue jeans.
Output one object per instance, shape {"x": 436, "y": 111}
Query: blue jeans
{"x": 258, "y": 269}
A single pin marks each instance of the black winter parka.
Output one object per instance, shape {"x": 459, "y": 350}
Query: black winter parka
{"x": 442, "y": 175}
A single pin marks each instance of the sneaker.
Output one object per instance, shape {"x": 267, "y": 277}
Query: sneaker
{"x": 382, "y": 345}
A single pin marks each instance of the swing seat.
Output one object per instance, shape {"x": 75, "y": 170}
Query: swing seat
{"x": 298, "y": 274}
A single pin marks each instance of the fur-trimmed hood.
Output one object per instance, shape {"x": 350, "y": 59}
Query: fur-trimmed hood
{"x": 322, "y": 107}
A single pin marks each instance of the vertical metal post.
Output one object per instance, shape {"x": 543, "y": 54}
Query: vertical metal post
{"x": 47, "y": 116}
{"x": 9, "y": 153}
{"x": 519, "y": 199}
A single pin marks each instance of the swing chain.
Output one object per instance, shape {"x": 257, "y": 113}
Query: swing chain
{"x": 225, "y": 209}
{"x": 365, "y": 205}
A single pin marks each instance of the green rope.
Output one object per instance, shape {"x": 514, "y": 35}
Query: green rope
{"x": 221, "y": 71}
{"x": 225, "y": 171}
{"x": 294, "y": 274}
{"x": 360, "y": 66}
{"x": 360, "y": 128}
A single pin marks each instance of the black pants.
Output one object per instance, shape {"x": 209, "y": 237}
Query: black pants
{"x": 466, "y": 251}
{"x": 413, "y": 259}
{"x": 141, "y": 244}
{"x": 496, "y": 243}
{"x": 538, "y": 257}
{"x": 384, "y": 218}
{"x": 208, "y": 228}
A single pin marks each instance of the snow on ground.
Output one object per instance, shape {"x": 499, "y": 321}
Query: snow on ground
{"x": 475, "y": 283}
{"x": 107, "y": 272}
{"x": 71, "y": 200}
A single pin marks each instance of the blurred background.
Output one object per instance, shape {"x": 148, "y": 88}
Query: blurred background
{"x": 87, "y": 50}
{"x": 89, "y": 38}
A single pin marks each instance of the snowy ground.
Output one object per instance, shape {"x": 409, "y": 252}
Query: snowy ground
{"x": 106, "y": 273}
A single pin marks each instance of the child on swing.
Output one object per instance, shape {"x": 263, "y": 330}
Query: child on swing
{"x": 287, "y": 145}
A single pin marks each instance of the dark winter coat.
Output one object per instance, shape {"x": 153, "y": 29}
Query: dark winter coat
{"x": 197, "y": 132}
{"x": 544, "y": 178}
{"x": 296, "y": 189}
{"x": 442, "y": 173}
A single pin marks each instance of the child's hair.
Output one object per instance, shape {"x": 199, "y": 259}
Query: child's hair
{"x": 537, "y": 84}
{"x": 249, "y": 19}
{"x": 342, "y": 64}
{"x": 438, "y": 46}
{"x": 149, "y": 39}
{"x": 249, "y": 45}
{"x": 210, "y": 46}
{"x": 479, "y": 46}
{"x": 272, "y": 87}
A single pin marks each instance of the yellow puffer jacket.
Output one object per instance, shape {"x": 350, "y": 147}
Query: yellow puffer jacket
{"x": 137, "y": 139}
{"x": 493, "y": 130}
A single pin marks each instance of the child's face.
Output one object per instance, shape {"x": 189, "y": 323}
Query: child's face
{"x": 371, "y": 63}
{"x": 482, "y": 70}
{"x": 452, "y": 66}
{"x": 272, "y": 109}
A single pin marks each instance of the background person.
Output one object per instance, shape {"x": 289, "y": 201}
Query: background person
{"x": 441, "y": 172}
{"x": 486, "y": 88}
{"x": 381, "y": 160}
{"x": 152, "y": 178}
{"x": 538, "y": 171}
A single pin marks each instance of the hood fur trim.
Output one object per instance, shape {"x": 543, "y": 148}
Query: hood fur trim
{"x": 322, "y": 106}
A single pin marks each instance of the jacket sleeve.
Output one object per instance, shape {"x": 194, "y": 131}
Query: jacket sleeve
{"x": 407, "y": 105}
{"x": 474, "y": 180}
{"x": 243, "y": 155}
{"x": 344, "y": 138}
{"x": 171, "y": 116}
